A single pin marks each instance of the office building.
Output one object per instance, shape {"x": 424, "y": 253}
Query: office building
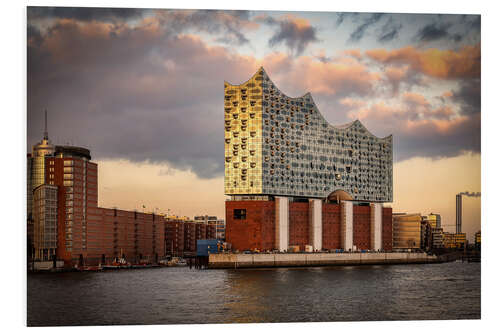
{"x": 220, "y": 226}
{"x": 434, "y": 220}
{"x": 295, "y": 179}
{"x": 437, "y": 238}
{"x": 45, "y": 220}
{"x": 406, "y": 231}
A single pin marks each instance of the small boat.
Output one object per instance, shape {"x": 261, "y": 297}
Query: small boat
{"x": 176, "y": 261}
{"x": 117, "y": 263}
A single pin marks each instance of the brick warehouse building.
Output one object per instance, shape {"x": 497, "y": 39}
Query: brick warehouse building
{"x": 295, "y": 179}
{"x": 181, "y": 236}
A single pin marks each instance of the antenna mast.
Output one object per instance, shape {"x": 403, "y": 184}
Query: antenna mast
{"x": 45, "y": 133}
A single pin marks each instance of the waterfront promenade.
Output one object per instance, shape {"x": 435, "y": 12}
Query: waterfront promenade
{"x": 255, "y": 260}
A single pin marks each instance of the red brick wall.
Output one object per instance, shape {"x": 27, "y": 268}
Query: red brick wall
{"x": 331, "y": 226}
{"x": 190, "y": 237}
{"x": 387, "y": 228}
{"x": 211, "y": 231}
{"x": 361, "y": 227}
{"x": 256, "y": 231}
{"x": 299, "y": 224}
{"x": 174, "y": 237}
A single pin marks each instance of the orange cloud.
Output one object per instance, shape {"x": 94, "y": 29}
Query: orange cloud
{"x": 311, "y": 75}
{"x": 445, "y": 64}
{"x": 355, "y": 53}
{"x": 352, "y": 103}
{"x": 415, "y": 98}
{"x": 396, "y": 73}
{"x": 447, "y": 94}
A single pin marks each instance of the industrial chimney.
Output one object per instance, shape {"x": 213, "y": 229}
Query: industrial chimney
{"x": 459, "y": 213}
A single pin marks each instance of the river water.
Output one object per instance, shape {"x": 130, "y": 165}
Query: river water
{"x": 178, "y": 295}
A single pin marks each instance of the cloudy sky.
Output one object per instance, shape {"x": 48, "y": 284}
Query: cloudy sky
{"x": 143, "y": 89}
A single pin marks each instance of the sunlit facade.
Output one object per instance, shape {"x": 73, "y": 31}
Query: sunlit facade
{"x": 434, "y": 220}
{"x": 406, "y": 231}
{"x": 278, "y": 145}
{"x": 45, "y": 221}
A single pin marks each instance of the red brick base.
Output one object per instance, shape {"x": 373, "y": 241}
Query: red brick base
{"x": 257, "y": 230}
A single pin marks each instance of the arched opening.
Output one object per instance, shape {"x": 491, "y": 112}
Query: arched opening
{"x": 339, "y": 195}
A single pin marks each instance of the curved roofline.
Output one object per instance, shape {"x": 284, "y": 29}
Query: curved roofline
{"x": 344, "y": 127}
{"x": 238, "y": 85}
{"x": 352, "y": 123}
{"x": 339, "y": 127}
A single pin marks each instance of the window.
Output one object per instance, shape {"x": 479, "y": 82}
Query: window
{"x": 68, "y": 162}
{"x": 240, "y": 214}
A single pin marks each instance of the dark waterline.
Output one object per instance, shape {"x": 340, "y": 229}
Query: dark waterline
{"x": 178, "y": 295}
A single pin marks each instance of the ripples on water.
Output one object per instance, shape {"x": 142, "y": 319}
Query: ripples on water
{"x": 178, "y": 295}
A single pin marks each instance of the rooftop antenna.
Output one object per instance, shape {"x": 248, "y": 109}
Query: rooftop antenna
{"x": 45, "y": 133}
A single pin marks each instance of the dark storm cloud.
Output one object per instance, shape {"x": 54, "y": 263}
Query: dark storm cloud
{"x": 475, "y": 23}
{"x": 295, "y": 33}
{"x": 390, "y": 30}
{"x": 139, "y": 94}
{"x": 360, "y": 30}
{"x": 428, "y": 141}
{"x": 342, "y": 16}
{"x": 229, "y": 23}
{"x": 34, "y": 35}
{"x": 468, "y": 96}
{"x": 436, "y": 31}
{"x": 85, "y": 13}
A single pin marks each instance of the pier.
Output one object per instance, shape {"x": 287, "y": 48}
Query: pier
{"x": 257, "y": 260}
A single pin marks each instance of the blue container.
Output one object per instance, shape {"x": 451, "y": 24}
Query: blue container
{"x": 206, "y": 246}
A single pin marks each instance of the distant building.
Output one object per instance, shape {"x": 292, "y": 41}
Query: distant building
{"x": 437, "y": 238}
{"x": 45, "y": 222}
{"x": 181, "y": 235}
{"x": 477, "y": 239}
{"x": 434, "y": 220}
{"x": 425, "y": 234}
{"x": 220, "y": 226}
{"x": 406, "y": 231}
{"x": 454, "y": 240}
{"x": 35, "y": 173}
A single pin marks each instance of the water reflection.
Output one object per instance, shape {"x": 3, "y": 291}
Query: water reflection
{"x": 179, "y": 295}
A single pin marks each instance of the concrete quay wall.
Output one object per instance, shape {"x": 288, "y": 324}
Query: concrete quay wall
{"x": 224, "y": 260}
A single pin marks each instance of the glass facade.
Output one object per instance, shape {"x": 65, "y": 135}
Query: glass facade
{"x": 243, "y": 136}
{"x": 434, "y": 220}
{"x": 45, "y": 217}
{"x": 406, "y": 231}
{"x": 277, "y": 145}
